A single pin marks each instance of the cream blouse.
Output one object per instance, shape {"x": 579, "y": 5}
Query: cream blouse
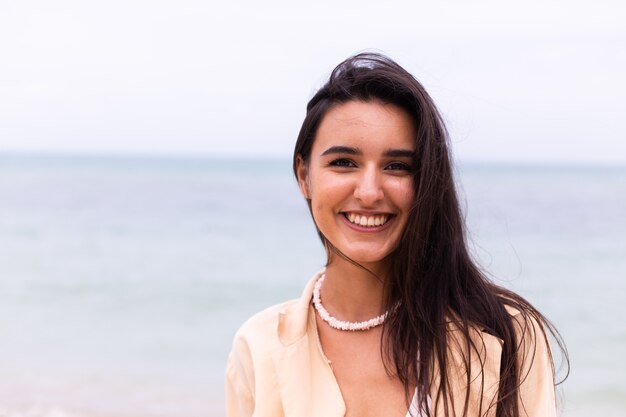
{"x": 276, "y": 369}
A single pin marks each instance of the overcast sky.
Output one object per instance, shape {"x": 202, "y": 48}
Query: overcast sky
{"x": 520, "y": 81}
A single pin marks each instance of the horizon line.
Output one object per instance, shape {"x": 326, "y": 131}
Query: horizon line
{"x": 286, "y": 158}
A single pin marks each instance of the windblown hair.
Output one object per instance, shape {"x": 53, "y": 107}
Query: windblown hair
{"x": 434, "y": 280}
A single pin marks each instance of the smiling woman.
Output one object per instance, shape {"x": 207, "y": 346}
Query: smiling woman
{"x": 401, "y": 322}
{"x": 359, "y": 179}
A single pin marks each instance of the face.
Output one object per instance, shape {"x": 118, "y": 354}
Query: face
{"x": 359, "y": 178}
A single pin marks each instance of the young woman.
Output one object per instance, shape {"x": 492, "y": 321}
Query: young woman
{"x": 401, "y": 321}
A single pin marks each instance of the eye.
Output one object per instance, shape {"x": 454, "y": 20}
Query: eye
{"x": 342, "y": 163}
{"x": 398, "y": 166}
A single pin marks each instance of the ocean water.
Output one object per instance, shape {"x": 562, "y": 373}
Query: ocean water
{"x": 123, "y": 279}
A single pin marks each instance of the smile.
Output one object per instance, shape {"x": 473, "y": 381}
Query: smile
{"x": 367, "y": 221}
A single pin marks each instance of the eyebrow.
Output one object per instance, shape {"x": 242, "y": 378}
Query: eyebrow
{"x": 341, "y": 149}
{"x": 394, "y": 153}
{"x": 399, "y": 153}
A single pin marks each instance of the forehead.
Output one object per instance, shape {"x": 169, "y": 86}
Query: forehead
{"x": 368, "y": 125}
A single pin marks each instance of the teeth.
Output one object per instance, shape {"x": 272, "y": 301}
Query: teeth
{"x": 367, "y": 221}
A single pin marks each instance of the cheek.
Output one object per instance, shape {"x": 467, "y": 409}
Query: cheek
{"x": 317, "y": 208}
{"x": 403, "y": 194}
{"x": 329, "y": 190}
{"x": 322, "y": 211}
{"x": 408, "y": 200}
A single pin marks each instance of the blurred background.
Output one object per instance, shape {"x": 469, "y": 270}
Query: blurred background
{"x": 147, "y": 206}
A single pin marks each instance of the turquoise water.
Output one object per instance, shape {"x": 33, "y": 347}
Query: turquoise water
{"x": 122, "y": 280}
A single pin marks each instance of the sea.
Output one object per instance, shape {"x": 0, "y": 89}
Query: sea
{"x": 124, "y": 278}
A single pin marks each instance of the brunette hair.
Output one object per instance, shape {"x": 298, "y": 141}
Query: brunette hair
{"x": 434, "y": 281}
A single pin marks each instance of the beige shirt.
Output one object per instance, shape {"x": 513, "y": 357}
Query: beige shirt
{"x": 277, "y": 368}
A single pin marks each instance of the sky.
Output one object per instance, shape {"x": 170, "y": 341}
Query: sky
{"x": 533, "y": 81}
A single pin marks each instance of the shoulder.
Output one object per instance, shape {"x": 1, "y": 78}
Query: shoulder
{"x": 530, "y": 329}
{"x": 469, "y": 344}
{"x": 250, "y": 372}
{"x": 279, "y": 325}
{"x": 535, "y": 364}
{"x": 532, "y": 342}
{"x": 253, "y": 337}
{"x": 260, "y": 332}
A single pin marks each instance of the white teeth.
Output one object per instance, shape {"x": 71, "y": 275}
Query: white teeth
{"x": 370, "y": 221}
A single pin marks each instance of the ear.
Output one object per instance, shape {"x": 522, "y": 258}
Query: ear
{"x": 302, "y": 172}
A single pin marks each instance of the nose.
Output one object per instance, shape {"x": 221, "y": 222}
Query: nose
{"x": 369, "y": 187}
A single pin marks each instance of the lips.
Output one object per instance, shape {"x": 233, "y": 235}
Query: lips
{"x": 364, "y": 220}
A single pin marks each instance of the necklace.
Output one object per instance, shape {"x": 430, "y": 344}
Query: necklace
{"x": 340, "y": 324}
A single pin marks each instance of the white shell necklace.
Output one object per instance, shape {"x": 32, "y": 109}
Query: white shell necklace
{"x": 340, "y": 324}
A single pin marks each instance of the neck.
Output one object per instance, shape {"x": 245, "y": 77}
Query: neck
{"x": 352, "y": 293}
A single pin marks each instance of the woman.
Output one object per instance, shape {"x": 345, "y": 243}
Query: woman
{"x": 401, "y": 321}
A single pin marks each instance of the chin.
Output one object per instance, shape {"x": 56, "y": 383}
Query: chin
{"x": 366, "y": 257}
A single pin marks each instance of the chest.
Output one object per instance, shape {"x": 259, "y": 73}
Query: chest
{"x": 367, "y": 388}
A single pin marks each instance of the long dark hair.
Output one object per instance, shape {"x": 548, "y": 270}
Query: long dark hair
{"x": 434, "y": 281}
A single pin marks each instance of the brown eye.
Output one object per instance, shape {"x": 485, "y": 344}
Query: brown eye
{"x": 342, "y": 163}
{"x": 398, "y": 166}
